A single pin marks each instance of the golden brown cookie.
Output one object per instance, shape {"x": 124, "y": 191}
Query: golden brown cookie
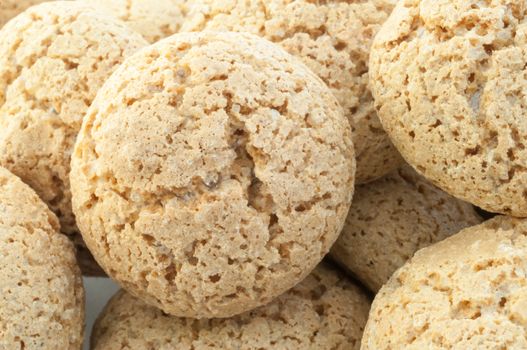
{"x": 11, "y": 8}
{"x": 212, "y": 173}
{"x": 41, "y": 293}
{"x": 325, "y": 311}
{"x": 333, "y": 39}
{"x": 391, "y": 219}
{"x": 466, "y": 292}
{"x": 53, "y": 59}
{"x": 154, "y": 20}
{"x": 449, "y": 80}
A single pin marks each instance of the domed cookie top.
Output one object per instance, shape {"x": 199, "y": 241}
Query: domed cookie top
{"x": 41, "y": 293}
{"x": 333, "y": 39}
{"x": 449, "y": 79}
{"x": 152, "y": 19}
{"x": 212, "y": 173}
{"x": 53, "y": 59}
{"x": 467, "y": 292}
{"x": 325, "y": 311}
{"x": 391, "y": 219}
{"x": 11, "y": 8}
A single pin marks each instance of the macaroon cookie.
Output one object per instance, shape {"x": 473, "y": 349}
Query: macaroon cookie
{"x": 449, "y": 83}
{"x": 154, "y": 20}
{"x": 212, "y": 173}
{"x": 41, "y": 292}
{"x": 53, "y": 59}
{"x": 391, "y": 219}
{"x": 11, "y": 8}
{"x": 333, "y": 39}
{"x": 325, "y": 311}
{"x": 466, "y": 292}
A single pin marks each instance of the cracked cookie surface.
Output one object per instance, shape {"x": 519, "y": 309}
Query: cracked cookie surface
{"x": 466, "y": 292}
{"x": 41, "y": 292}
{"x": 53, "y": 59}
{"x": 325, "y": 311}
{"x": 212, "y": 173}
{"x": 449, "y": 81}
{"x": 154, "y": 20}
{"x": 392, "y": 218}
{"x": 333, "y": 39}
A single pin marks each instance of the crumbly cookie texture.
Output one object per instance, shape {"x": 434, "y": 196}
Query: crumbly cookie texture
{"x": 11, "y": 8}
{"x": 466, "y": 292}
{"x": 391, "y": 219}
{"x": 154, "y": 20}
{"x": 41, "y": 293}
{"x": 212, "y": 173}
{"x": 449, "y": 84}
{"x": 53, "y": 59}
{"x": 333, "y": 39}
{"x": 325, "y": 311}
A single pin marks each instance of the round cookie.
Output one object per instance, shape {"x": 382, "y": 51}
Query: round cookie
{"x": 391, "y": 219}
{"x": 11, "y": 8}
{"x": 448, "y": 81}
{"x": 325, "y": 311}
{"x": 466, "y": 292}
{"x": 41, "y": 292}
{"x": 152, "y": 19}
{"x": 53, "y": 59}
{"x": 212, "y": 173}
{"x": 333, "y": 39}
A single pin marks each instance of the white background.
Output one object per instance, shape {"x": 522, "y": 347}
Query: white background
{"x": 98, "y": 292}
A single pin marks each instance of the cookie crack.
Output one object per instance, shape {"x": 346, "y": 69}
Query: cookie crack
{"x": 255, "y": 198}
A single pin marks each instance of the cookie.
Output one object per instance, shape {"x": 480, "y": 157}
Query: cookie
{"x": 333, "y": 39}
{"x": 448, "y": 81}
{"x": 41, "y": 293}
{"x": 212, "y": 173}
{"x": 466, "y": 292}
{"x": 11, "y": 8}
{"x": 153, "y": 19}
{"x": 53, "y": 59}
{"x": 325, "y": 311}
{"x": 391, "y": 219}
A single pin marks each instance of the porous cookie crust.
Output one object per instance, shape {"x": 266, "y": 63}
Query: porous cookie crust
{"x": 449, "y": 80}
{"x": 53, "y": 59}
{"x": 332, "y": 38}
{"x": 152, "y": 19}
{"x": 212, "y": 173}
{"x": 11, "y": 8}
{"x": 467, "y": 292}
{"x": 325, "y": 311}
{"x": 41, "y": 293}
{"x": 391, "y": 219}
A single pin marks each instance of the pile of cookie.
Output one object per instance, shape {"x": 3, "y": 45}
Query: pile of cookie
{"x": 207, "y": 155}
